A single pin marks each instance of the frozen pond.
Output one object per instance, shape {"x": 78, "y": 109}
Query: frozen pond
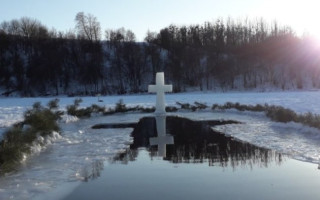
{"x": 61, "y": 167}
{"x": 199, "y": 164}
{"x": 83, "y": 153}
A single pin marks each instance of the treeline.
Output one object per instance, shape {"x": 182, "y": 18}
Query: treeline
{"x": 220, "y": 55}
{"x": 238, "y": 55}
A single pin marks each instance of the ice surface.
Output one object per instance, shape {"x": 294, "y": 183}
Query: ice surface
{"x": 11, "y": 109}
{"x": 64, "y": 161}
{"x": 299, "y": 141}
{"x": 68, "y": 160}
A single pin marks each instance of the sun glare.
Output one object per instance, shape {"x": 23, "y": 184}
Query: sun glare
{"x": 302, "y": 16}
{"x": 316, "y": 38}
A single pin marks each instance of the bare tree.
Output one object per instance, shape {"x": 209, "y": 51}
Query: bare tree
{"x": 130, "y": 36}
{"x": 120, "y": 35}
{"x": 25, "y": 26}
{"x": 32, "y": 28}
{"x": 151, "y": 36}
{"x": 88, "y": 27}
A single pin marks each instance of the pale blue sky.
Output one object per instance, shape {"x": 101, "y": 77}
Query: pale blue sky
{"x": 141, "y": 15}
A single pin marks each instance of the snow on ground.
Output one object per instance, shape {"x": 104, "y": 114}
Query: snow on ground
{"x": 62, "y": 164}
{"x": 11, "y": 109}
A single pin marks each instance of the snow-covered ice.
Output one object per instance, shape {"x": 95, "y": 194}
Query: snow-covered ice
{"x": 299, "y": 141}
{"x": 11, "y": 109}
{"x": 66, "y": 160}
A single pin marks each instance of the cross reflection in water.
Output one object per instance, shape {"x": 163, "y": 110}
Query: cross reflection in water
{"x": 162, "y": 138}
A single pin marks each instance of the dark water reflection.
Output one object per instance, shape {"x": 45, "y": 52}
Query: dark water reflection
{"x": 180, "y": 140}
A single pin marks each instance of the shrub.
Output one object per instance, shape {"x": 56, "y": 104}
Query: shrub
{"x": 171, "y": 109}
{"x": 148, "y": 110}
{"x": 135, "y": 108}
{"x": 82, "y": 112}
{"x": 200, "y": 105}
{"x": 77, "y": 102}
{"x": 98, "y": 109}
{"x": 17, "y": 140}
{"x": 184, "y": 105}
{"x": 53, "y": 104}
{"x": 310, "y": 119}
{"x": 109, "y": 112}
{"x": 258, "y": 108}
{"x": 229, "y": 105}
{"x": 12, "y": 148}
{"x": 195, "y": 107}
{"x": 275, "y": 113}
{"x": 120, "y": 106}
{"x": 215, "y": 107}
{"x": 41, "y": 119}
{"x": 281, "y": 114}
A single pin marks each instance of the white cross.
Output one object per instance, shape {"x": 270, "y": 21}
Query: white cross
{"x": 160, "y": 88}
{"x": 162, "y": 138}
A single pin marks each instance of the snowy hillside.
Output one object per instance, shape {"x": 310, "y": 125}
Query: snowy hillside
{"x": 204, "y": 57}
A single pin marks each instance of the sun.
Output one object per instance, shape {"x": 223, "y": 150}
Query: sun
{"x": 316, "y": 38}
{"x": 302, "y": 16}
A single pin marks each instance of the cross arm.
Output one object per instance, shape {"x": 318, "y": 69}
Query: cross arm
{"x": 167, "y": 88}
{"x": 152, "y": 88}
